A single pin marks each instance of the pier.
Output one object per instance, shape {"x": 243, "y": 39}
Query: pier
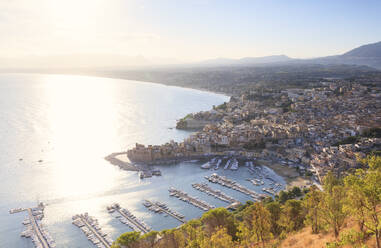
{"x": 129, "y": 219}
{"x": 226, "y": 182}
{"x": 94, "y": 233}
{"x": 40, "y": 236}
{"x": 203, "y": 187}
{"x": 159, "y": 207}
{"x": 190, "y": 199}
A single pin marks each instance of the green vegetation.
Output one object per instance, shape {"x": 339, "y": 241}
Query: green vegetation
{"x": 355, "y": 198}
{"x": 252, "y": 145}
{"x": 221, "y": 106}
{"x": 371, "y": 133}
{"x": 348, "y": 140}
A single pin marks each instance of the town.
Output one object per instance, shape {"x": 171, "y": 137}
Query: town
{"x": 317, "y": 129}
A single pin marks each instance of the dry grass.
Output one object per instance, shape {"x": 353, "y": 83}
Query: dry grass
{"x": 306, "y": 239}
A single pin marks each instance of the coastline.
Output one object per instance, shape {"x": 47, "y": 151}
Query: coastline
{"x": 290, "y": 175}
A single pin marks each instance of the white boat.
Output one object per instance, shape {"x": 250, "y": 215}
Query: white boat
{"x": 234, "y": 165}
{"x": 206, "y": 166}
{"x": 218, "y": 164}
{"x": 227, "y": 164}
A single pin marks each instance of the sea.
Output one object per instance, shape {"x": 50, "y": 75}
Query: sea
{"x": 55, "y": 131}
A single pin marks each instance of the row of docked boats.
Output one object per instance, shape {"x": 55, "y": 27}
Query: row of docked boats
{"x": 203, "y": 187}
{"x": 149, "y": 173}
{"x": 34, "y": 228}
{"x": 90, "y": 227}
{"x": 226, "y": 182}
{"x": 190, "y": 199}
{"x": 216, "y": 162}
{"x": 129, "y": 219}
{"x": 256, "y": 182}
{"x": 159, "y": 207}
{"x": 16, "y": 210}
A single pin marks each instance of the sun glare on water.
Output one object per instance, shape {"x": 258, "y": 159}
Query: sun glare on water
{"x": 82, "y": 120}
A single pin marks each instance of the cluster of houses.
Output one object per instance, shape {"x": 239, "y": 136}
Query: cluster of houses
{"x": 298, "y": 125}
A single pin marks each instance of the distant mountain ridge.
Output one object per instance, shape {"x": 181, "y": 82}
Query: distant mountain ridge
{"x": 368, "y": 55}
{"x": 370, "y": 50}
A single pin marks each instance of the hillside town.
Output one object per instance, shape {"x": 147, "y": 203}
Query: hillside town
{"x": 316, "y": 129}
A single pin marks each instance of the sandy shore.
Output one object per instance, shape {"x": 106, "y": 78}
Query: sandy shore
{"x": 290, "y": 175}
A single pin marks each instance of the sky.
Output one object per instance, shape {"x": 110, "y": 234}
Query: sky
{"x": 172, "y": 31}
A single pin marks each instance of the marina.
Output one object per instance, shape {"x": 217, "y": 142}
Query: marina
{"x": 203, "y": 187}
{"x": 256, "y": 182}
{"x": 226, "y": 182}
{"x": 159, "y": 207}
{"x": 90, "y": 227}
{"x": 190, "y": 199}
{"x": 34, "y": 228}
{"x": 127, "y": 218}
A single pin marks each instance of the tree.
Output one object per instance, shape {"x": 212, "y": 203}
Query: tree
{"x": 275, "y": 211}
{"x": 293, "y": 215}
{"x": 355, "y": 203}
{"x": 129, "y": 240}
{"x": 256, "y": 225}
{"x": 311, "y": 203}
{"x": 329, "y": 181}
{"x": 283, "y": 196}
{"x": 218, "y": 217}
{"x": 365, "y": 195}
{"x": 219, "y": 239}
{"x": 296, "y": 192}
{"x": 194, "y": 234}
{"x": 333, "y": 210}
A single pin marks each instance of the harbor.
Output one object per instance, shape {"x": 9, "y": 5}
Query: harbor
{"x": 34, "y": 228}
{"x": 190, "y": 199}
{"x": 203, "y": 187}
{"x": 127, "y": 218}
{"x": 90, "y": 227}
{"x": 159, "y": 207}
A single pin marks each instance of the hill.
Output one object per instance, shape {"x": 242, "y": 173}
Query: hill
{"x": 370, "y": 51}
{"x": 366, "y": 55}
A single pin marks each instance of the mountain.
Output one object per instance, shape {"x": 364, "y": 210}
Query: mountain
{"x": 369, "y": 55}
{"x": 365, "y": 51}
{"x": 247, "y": 60}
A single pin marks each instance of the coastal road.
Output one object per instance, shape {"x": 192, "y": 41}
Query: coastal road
{"x": 37, "y": 230}
{"x": 100, "y": 238}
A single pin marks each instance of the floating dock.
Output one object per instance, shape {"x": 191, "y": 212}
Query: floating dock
{"x": 90, "y": 227}
{"x": 190, "y": 199}
{"x": 129, "y": 219}
{"x": 159, "y": 207}
{"x": 203, "y": 187}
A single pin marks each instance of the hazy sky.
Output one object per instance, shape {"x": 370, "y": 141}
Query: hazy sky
{"x": 187, "y": 30}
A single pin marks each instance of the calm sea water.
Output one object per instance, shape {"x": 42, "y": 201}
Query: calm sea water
{"x": 72, "y": 123}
